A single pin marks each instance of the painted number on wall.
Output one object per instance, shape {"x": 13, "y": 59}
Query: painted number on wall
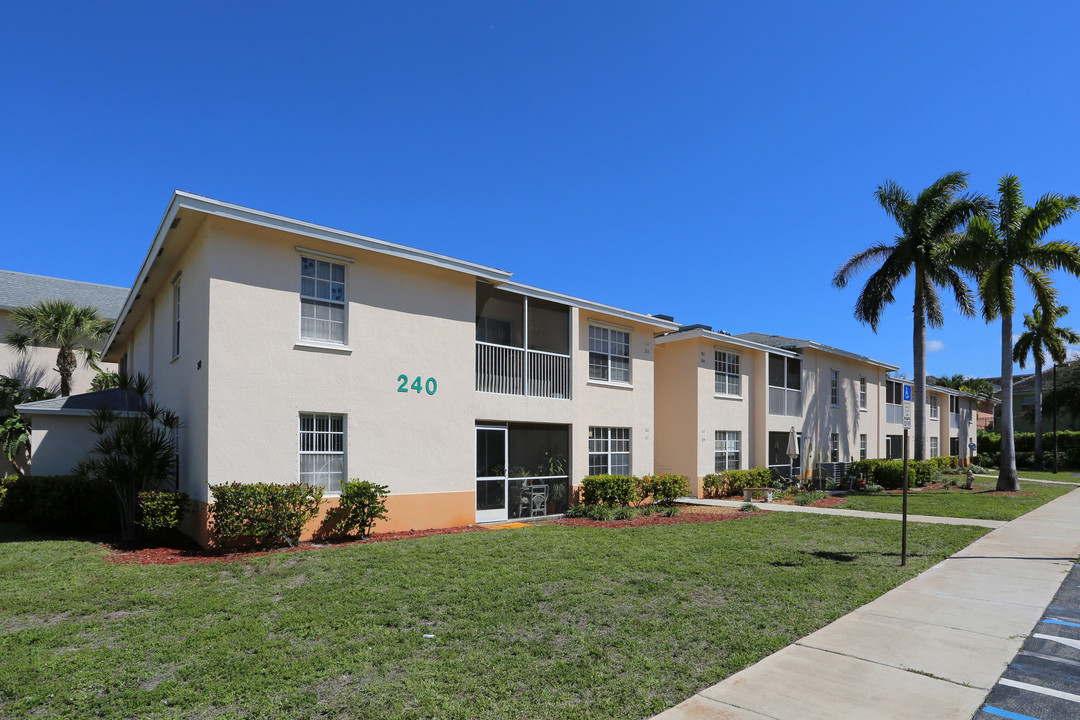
{"x": 419, "y": 384}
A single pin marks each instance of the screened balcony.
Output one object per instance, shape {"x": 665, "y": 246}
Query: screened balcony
{"x": 522, "y": 345}
{"x": 785, "y": 386}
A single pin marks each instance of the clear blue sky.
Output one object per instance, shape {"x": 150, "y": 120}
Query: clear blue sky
{"x": 712, "y": 161}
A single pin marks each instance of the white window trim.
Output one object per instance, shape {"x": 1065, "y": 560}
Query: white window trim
{"x": 738, "y": 356}
{"x": 863, "y": 446}
{"x": 834, "y": 437}
{"x": 328, "y": 347}
{"x": 608, "y": 453}
{"x": 323, "y": 255}
{"x": 738, "y": 452}
{"x": 312, "y": 342}
{"x": 935, "y": 408}
{"x": 344, "y": 446}
{"x": 864, "y": 393}
{"x": 834, "y": 374}
{"x": 630, "y": 357}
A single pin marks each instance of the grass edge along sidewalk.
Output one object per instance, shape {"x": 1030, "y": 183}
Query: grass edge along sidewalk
{"x": 539, "y": 622}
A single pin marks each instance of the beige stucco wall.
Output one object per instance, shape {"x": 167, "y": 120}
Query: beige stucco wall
{"x": 38, "y": 365}
{"x": 846, "y": 418}
{"x": 676, "y": 385}
{"x": 59, "y": 443}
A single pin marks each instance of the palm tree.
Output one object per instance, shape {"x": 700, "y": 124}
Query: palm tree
{"x": 1042, "y": 336}
{"x": 61, "y": 324}
{"x": 926, "y": 246}
{"x": 1014, "y": 244}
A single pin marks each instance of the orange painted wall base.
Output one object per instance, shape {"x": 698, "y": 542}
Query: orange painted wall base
{"x": 404, "y": 512}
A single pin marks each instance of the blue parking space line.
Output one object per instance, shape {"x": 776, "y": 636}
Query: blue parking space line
{"x": 1060, "y": 622}
{"x": 990, "y": 710}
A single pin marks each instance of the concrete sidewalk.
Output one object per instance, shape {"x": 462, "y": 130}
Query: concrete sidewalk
{"x": 866, "y": 515}
{"x": 931, "y": 648}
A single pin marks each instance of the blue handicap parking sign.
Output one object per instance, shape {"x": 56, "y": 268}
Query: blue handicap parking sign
{"x": 907, "y": 393}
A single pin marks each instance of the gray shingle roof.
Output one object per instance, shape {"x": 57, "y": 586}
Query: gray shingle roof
{"x": 20, "y": 289}
{"x": 83, "y": 403}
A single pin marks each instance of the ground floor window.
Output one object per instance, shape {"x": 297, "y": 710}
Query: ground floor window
{"x": 954, "y": 446}
{"x": 778, "y": 453}
{"x": 727, "y": 450}
{"x": 894, "y": 447}
{"x": 609, "y": 451}
{"x": 322, "y": 450}
{"x": 934, "y": 449}
{"x": 834, "y": 447}
{"x": 862, "y": 447}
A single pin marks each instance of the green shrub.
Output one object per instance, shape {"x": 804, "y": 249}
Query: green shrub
{"x": 361, "y": 503}
{"x": 261, "y": 514}
{"x": 610, "y": 490}
{"x": 890, "y": 473}
{"x": 977, "y": 469}
{"x": 576, "y": 511}
{"x": 805, "y": 498}
{"x": 747, "y": 507}
{"x": 664, "y": 489}
{"x": 624, "y": 513}
{"x": 161, "y": 510}
{"x": 600, "y": 512}
{"x": 733, "y": 482}
{"x": 60, "y": 503}
{"x": 873, "y": 488}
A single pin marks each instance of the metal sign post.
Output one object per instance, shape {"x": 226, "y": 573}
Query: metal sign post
{"x": 904, "y": 476}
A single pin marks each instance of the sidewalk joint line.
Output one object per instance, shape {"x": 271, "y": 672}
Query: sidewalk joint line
{"x": 913, "y": 671}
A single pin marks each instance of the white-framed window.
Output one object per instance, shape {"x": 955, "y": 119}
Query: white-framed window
{"x": 176, "y": 316}
{"x": 933, "y": 410}
{"x": 728, "y": 378}
{"x": 954, "y": 405}
{"x": 609, "y": 354}
{"x": 322, "y": 450}
{"x": 934, "y": 448}
{"x": 862, "y": 393}
{"x": 609, "y": 451}
{"x": 862, "y": 447}
{"x": 322, "y": 300}
{"x": 834, "y": 387}
{"x": 728, "y": 448}
{"x": 834, "y": 447}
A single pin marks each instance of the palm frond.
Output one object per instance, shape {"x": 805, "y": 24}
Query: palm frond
{"x": 896, "y": 201}
{"x": 860, "y": 260}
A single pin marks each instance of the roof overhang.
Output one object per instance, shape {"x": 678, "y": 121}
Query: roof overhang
{"x": 844, "y": 353}
{"x": 713, "y": 336}
{"x": 185, "y": 206}
{"x": 553, "y": 296}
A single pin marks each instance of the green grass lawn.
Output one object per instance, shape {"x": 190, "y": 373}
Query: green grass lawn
{"x": 541, "y": 622}
{"x": 975, "y": 503}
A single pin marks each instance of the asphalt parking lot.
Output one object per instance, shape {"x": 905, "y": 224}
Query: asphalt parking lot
{"x": 1043, "y": 681}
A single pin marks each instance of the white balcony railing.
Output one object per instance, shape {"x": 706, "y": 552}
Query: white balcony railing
{"x": 783, "y": 401}
{"x": 894, "y": 413}
{"x": 514, "y": 371}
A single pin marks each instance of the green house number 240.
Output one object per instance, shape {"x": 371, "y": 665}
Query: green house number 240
{"x": 429, "y": 386}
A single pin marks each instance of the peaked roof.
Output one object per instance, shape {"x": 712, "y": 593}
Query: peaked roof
{"x": 787, "y": 343}
{"x": 85, "y": 403}
{"x": 21, "y": 289}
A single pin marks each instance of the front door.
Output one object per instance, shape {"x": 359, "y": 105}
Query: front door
{"x": 491, "y": 453}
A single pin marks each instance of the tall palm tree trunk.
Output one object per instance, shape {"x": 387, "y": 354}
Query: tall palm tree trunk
{"x": 1038, "y": 415}
{"x": 1007, "y": 479}
{"x": 65, "y": 365}
{"x": 919, "y": 348}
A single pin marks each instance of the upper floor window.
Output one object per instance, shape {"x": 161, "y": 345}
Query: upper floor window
{"x": 176, "y": 317}
{"x": 834, "y": 387}
{"x": 322, "y": 300}
{"x": 894, "y": 393}
{"x": 609, "y": 354}
{"x": 862, "y": 394}
{"x": 728, "y": 379}
{"x": 954, "y": 404}
{"x": 785, "y": 386}
{"x": 933, "y": 407}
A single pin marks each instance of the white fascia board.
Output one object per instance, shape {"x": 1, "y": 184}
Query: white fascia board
{"x": 208, "y": 206}
{"x": 850, "y": 355}
{"x": 553, "y": 296}
{"x": 719, "y": 337}
{"x": 29, "y": 409}
{"x": 217, "y": 208}
{"x": 953, "y": 391}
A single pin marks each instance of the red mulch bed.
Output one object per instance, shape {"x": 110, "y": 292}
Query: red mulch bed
{"x": 831, "y": 501}
{"x": 188, "y": 552}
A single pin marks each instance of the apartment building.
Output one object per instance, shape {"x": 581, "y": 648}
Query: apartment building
{"x": 298, "y": 352}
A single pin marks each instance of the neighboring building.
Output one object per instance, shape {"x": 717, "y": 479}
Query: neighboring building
{"x": 1024, "y": 401}
{"x": 951, "y": 422}
{"x": 297, "y": 352}
{"x": 37, "y": 367}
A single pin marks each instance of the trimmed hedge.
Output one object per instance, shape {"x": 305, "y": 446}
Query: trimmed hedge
{"x": 989, "y": 444}
{"x": 161, "y": 510}
{"x": 610, "y": 490}
{"x": 261, "y": 514}
{"x": 733, "y": 482}
{"x": 60, "y": 503}
{"x": 663, "y": 489}
{"x": 890, "y": 473}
